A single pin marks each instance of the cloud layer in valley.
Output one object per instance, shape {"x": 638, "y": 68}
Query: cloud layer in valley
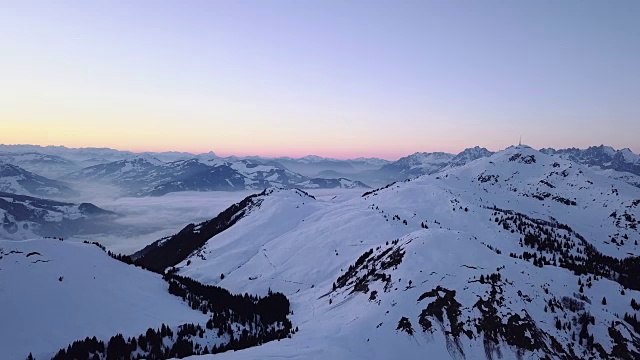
{"x": 150, "y": 218}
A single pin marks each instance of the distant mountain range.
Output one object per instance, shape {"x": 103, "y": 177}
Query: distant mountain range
{"x": 16, "y": 180}
{"x": 43, "y": 164}
{"x": 603, "y": 157}
{"x": 155, "y": 174}
{"x": 145, "y": 175}
{"x": 423, "y": 163}
{"x": 23, "y": 217}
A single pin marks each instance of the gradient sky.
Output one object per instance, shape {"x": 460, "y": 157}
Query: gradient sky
{"x": 332, "y": 78}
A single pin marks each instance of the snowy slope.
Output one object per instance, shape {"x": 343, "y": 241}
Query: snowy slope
{"x": 629, "y": 178}
{"x": 471, "y": 280}
{"x": 97, "y": 295}
{"x": 423, "y": 163}
{"x": 16, "y": 180}
{"x": 365, "y": 326}
{"x": 527, "y": 181}
{"x": 47, "y": 165}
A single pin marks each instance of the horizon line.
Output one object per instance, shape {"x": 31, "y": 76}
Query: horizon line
{"x": 224, "y": 154}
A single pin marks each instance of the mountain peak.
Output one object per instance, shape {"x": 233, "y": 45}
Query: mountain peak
{"x": 602, "y": 156}
{"x": 145, "y": 158}
{"x": 468, "y": 155}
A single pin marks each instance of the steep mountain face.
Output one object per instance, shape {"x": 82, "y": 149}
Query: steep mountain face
{"x": 16, "y": 180}
{"x": 23, "y": 217}
{"x": 427, "y": 163}
{"x": 468, "y": 155}
{"x": 603, "y": 157}
{"x": 516, "y": 255}
{"x": 192, "y": 175}
{"x": 420, "y": 163}
{"x": 172, "y": 250}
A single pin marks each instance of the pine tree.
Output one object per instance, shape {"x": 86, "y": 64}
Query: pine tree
{"x": 604, "y": 301}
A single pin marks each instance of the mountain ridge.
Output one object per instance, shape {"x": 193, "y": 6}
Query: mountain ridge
{"x": 14, "y": 179}
{"x": 429, "y": 264}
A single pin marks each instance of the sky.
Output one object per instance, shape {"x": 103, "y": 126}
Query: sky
{"x": 333, "y": 78}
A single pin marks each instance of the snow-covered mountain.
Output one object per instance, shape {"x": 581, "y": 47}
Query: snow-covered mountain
{"x": 42, "y": 164}
{"x": 146, "y": 175}
{"x": 103, "y": 307}
{"x": 192, "y": 175}
{"x": 629, "y": 178}
{"x": 424, "y": 163}
{"x": 420, "y": 163}
{"x": 87, "y": 155}
{"x": 56, "y": 292}
{"x": 372, "y": 162}
{"x": 311, "y": 165}
{"x": 516, "y": 255}
{"x": 24, "y": 217}
{"x": 468, "y": 155}
{"x": 603, "y": 157}
{"x": 63, "y": 160}
{"x": 16, "y": 180}
{"x": 129, "y": 174}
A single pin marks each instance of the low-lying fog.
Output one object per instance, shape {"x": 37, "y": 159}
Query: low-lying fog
{"x": 148, "y": 219}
